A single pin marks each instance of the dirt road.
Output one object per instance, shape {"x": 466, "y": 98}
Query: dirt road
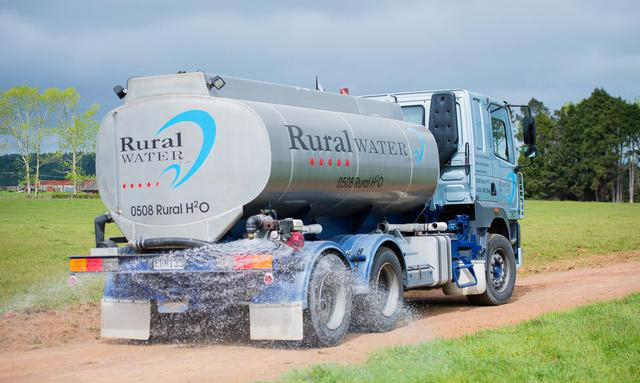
{"x": 435, "y": 316}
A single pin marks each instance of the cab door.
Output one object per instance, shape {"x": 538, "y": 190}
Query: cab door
{"x": 503, "y": 187}
{"x": 483, "y": 155}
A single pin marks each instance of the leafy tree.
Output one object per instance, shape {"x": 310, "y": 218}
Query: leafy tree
{"x": 541, "y": 177}
{"x": 583, "y": 149}
{"x": 633, "y": 146}
{"x": 76, "y": 129}
{"x": 23, "y": 114}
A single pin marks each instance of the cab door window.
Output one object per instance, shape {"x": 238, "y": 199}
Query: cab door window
{"x": 500, "y": 132}
{"x": 413, "y": 114}
{"x": 478, "y": 128}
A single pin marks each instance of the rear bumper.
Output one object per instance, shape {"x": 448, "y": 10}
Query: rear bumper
{"x": 200, "y": 290}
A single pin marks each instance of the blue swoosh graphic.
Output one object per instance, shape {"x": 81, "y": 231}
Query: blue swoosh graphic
{"x": 208, "y": 127}
{"x": 420, "y": 152}
{"x": 514, "y": 187}
{"x": 175, "y": 167}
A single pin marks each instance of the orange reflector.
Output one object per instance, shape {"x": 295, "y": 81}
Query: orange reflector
{"x": 78, "y": 265}
{"x": 82, "y": 265}
{"x": 245, "y": 262}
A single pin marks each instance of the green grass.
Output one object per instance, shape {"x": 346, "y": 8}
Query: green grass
{"x": 595, "y": 343}
{"x": 36, "y": 236}
{"x": 555, "y": 230}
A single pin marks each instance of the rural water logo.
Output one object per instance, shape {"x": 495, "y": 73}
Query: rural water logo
{"x": 514, "y": 187}
{"x": 419, "y": 152}
{"x": 208, "y": 127}
{"x": 169, "y": 148}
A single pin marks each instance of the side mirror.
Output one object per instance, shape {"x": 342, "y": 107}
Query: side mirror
{"x": 529, "y": 133}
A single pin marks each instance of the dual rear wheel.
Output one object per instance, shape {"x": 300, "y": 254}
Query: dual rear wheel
{"x": 331, "y": 300}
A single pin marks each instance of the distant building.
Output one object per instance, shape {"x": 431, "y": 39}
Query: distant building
{"x": 56, "y": 186}
{"x": 89, "y": 186}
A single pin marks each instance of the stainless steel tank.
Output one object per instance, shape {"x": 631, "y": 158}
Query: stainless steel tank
{"x": 177, "y": 159}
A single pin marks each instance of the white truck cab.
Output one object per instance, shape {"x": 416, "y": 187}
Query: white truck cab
{"x": 483, "y": 171}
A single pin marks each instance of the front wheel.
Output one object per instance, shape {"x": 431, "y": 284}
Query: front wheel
{"x": 330, "y": 299}
{"x": 500, "y": 273}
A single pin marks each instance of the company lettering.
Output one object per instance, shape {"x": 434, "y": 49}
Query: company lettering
{"x": 157, "y": 149}
{"x": 343, "y": 143}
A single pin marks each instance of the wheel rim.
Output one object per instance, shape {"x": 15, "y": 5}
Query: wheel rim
{"x": 499, "y": 271}
{"x": 332, "y": 297}
{"x": 387, "y": 289}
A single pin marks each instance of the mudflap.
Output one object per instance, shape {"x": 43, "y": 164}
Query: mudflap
{"x": 128, "y": 319}
{"x": 282, "y": 321}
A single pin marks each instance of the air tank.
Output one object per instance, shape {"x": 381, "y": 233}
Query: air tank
{"x": 178, "y": 160}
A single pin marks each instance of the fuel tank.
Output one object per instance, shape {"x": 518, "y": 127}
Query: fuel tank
{"x": 182, "y": 158}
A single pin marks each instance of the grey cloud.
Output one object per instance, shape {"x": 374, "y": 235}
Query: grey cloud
{"x": 554, "y": 51}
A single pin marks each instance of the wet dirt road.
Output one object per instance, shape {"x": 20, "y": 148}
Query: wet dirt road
{"x": 434, "y": 316}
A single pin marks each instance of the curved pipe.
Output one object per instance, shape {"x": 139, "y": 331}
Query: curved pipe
{"x": 168, "y": 242}
{"x": 99, "y": 224}
{"x": 254, "y": 222}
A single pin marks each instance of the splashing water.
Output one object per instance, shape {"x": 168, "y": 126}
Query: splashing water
{"x": 221, "y": 296}
{"x": 56, "y": 292}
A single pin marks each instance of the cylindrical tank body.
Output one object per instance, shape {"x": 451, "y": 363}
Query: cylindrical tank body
{"x": 193, "y": 165}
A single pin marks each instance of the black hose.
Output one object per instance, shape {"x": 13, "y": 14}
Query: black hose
{"x": 169, "y": 242}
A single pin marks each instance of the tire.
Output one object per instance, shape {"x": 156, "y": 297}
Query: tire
{"x": 379, "y": 310}
{"x": 330, "y": 298}
{"x": 500, "y": 273}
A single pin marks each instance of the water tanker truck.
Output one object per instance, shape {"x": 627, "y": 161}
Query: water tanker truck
{"x": 307, "y": 211}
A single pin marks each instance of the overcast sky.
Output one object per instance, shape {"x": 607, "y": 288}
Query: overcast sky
{"x": 556, "y": 51}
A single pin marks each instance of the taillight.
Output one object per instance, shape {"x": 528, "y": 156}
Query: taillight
{"x": 92, "y": 265}
{"x": 246, "y": 262}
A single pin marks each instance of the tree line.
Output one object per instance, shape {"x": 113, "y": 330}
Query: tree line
{"x": 28, "y": 117}
{"x": 12, "y": 168}
{"x": 587, "y": 151}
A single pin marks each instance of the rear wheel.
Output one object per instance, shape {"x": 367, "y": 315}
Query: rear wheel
{"x": 330, "y": 299}
{"x": 500, "y": 272}
{"x": 379, "y": 310}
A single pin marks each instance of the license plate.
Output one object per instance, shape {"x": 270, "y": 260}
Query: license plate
{"x": 168, "y": 264}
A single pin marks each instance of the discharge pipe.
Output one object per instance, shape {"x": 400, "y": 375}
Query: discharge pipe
{"x": 312, "y": 229}
{"x": 386, "y": 227}
{"x": 98, "y": 225}
{"x": 167, "y": 242}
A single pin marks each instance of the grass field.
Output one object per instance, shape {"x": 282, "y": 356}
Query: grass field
{"x": 595, "y": 343}
{"x": 37, "y": 235}
{"x": 554, "y": 230}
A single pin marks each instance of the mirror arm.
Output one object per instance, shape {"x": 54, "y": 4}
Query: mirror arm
{"x": 518, "y": 167}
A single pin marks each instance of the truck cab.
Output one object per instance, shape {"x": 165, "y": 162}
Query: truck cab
{"x": 482, "y": 173}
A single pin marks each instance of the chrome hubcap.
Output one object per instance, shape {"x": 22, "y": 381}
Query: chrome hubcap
{"x": 499, "y": 273}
